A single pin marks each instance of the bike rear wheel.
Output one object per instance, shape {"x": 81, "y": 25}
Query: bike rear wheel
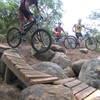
{"x": 41, "y": 40}
{"x": 71, "y": 36}
{"x": 13, "y": 37}
{"x": 90, "y": 43}
{"x": 69, "y": 43}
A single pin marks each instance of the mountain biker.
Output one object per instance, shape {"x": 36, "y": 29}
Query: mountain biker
{"x": 58, "y": 31}
{"x": 77, "y": 28}
{"x": 24, "y": 11}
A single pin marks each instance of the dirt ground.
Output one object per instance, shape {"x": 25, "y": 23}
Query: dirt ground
{"x": 74, "y": 54}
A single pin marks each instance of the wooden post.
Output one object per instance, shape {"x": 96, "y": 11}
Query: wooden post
{"x": 8, "y": 75}
{"x": 2, "y": 69}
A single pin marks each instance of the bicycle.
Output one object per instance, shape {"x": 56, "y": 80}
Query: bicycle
{"x": 68, "y": 41}
{"x": 40, "y": 40}
{"x": 91, "y": 43}
{"x": 84, "y": 39}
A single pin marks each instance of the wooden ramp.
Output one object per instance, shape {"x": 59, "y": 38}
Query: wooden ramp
{"x": 24, "y": 72}
{"x": 81, "y": 90}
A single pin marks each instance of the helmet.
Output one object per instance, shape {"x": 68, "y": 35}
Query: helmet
{"x": 79, "y": 20}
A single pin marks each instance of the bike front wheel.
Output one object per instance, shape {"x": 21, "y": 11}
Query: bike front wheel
{"x": 41, "y": 40}
{"x": 13, "y": 37}
{"x": 69, "y": 43}
{"x": 90, "y": 43}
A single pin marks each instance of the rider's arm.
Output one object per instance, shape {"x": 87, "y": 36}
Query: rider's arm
{"x": 86, "y": 27}
{"x": 27, "y": 4}
{"x": 73, "y": 28}
{"x": 36, "y": 4}
{"x": 55, "y": 30}
{"x": 63, "y": 30}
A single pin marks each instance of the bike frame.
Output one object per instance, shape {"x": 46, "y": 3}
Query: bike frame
{"x": 27, "y": 27}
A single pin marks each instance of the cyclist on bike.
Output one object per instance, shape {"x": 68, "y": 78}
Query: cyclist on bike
{"x": 77, "y": 28}
{"x": 58, "y": 31}
{"x": 24, "y": 11}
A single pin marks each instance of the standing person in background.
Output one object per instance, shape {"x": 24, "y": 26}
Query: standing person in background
{"x": 77, "y": 28}
{"x": 58, "y": 31}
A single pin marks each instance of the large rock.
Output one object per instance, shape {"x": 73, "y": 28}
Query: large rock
{"x": 46, "y": 56}
{"x": 76, "y": 66}
{"x": 50, "y": 68}
{"x": 58, "y": 48}
{"x": 84, "y": 50}
{"x": 8, "y": 92}
{"x": 90, "y": 73}
{"x": 69, "y": 72}
{"x": 62, "y": 60}
{"x": 47, "y": 92}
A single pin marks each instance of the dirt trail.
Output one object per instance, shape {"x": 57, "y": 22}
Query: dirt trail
{"x": 77, "y": 55}
{"x": 74, "y": 54}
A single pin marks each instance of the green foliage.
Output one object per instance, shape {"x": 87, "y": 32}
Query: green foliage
{"x": 95, "y": 32}
{"x": 8, "y": 16}
{"x": 95, "y": 14}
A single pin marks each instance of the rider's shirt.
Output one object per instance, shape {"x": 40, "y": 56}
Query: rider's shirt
{"x": 78, "y": 28}
{"x": 58, "y": 31}
{"x": 22, "y": 5}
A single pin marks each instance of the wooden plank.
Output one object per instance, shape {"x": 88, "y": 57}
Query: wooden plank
{"x": 18, "y": 63}
{"x": 94, "y": 95}
{"x": 12, "y": 55}
{"x": 72, "y": 83}
{"x": 4, "y": 57}
{"x": 79, "y": 88}
{"x": 19, "y": 60}
{"x": 34, "y": 72}
{"x": 12, "y": 52}
{"x": 43, "y": 80}
{"x": 86, "y": 92}
{"x": 26, "y": 67}
{"x": 4, "y": 46}
{"x": 22, "y": 64}
{"x": 62, "y": 81}
{"x": 17, "y": 73}
{"x": 37, "y": 76}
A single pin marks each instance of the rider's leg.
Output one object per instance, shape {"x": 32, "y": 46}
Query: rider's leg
{"x": 80, "y": 40}
{"x": 77, "y": 42}
{"x": 21, "y": 21}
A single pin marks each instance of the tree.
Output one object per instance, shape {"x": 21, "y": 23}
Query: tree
{"x": 7, "y": 15}
{"x": 95, "y": 15}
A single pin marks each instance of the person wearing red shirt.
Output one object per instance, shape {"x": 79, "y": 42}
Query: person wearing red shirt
{"x": 58, "y": 31}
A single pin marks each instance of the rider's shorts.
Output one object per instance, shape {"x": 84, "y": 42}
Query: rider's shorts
{"x": 78, "y": 35}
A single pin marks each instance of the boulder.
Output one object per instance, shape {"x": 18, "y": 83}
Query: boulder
{"x": 76, "y": 66}
{"x": 8, "y": 92}
{"x": 69, "y": 72}
{"x": 98, "y": 57}
{"x": 84, "y": 50}
{"x": 50, "y": 68}
{"x": 96, "y": 98}
{"x": 46, "y": 56}
{"x": 62, "y": 60}
{"x": 47, "y": 92}
{"x": 90, "y": 73}
{"x": 58, "y": 48}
